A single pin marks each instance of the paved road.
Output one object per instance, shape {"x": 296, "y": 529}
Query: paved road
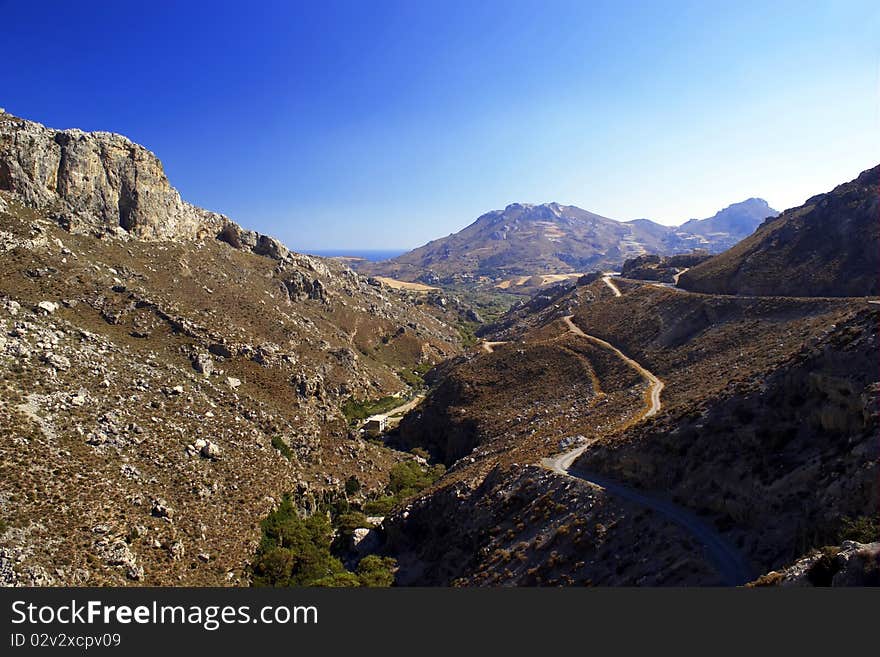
{"x": 724, "y": 556}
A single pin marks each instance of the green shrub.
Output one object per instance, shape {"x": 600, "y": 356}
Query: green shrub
{"x": 294, "y": 551}
{"x": 415, "y": 377}
{"x": 407, "y": 479}
{"x": 352, "y": 485}
{"x": 466, "y": 332}
{"x": 410, "y": 477}
{"x": 360, "y": 410}
{"x": 381, "y": 506}
{"x": 352, "y": 520}
{"x": 279, "y": 444}
{"x": 344, "y": 579}
{"x": 863, "y": 529}
{"x": 376, "y": 571}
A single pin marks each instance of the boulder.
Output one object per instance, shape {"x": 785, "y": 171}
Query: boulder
{"x": 203, "y": 364}
{"x": 210, "y": 450}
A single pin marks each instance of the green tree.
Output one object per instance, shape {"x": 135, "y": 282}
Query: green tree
{"x": 352, "y": 485}
{"x": 375, "y": 571}
{"x": 294, "y": 551}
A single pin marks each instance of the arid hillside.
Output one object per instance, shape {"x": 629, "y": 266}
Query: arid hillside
{"x": 829, "y": 246}
{"x": 168, "y": 375}
{"x": 766, "y": 429}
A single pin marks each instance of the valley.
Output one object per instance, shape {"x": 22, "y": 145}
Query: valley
{"x": 547, "y": 398}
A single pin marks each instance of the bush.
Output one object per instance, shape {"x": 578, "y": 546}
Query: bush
{"x": 344, "y": 579}
{"x": 294, "y": 551}
{"x": 279, "y": 444}
{"x": 348, "y": 522}
{"x": 410, "y": 477}
{"x": 381, "y": 506}
{"x": 360, "y": 410}
{"x": 352, "y": 485}
{"x": 415, "y": 377}
{"x": 407, "y": 479}
{"x": 376, "y": 571}
{"x": 863, "y": 529}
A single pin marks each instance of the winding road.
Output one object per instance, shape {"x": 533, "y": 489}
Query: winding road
{"x": 655, "y": 385}
{"x": 607, "y": 280}
{"x": 724, "y": 556}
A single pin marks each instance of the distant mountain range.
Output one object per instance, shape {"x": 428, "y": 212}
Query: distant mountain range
{"x": 826, "y": 247}
{"x": 551, "y": 238}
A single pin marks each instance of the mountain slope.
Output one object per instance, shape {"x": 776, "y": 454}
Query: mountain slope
{"x": 161, "y": 390}
{"x": 550, "y": 238}
{"x": 524, "y": 239}
{"x": 830, "y": 246}
{"x": 767, "y": 430}
{"x": 730, "y": 225}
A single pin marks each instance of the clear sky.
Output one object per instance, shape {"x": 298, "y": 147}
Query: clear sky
{"x": 381, "y": 125}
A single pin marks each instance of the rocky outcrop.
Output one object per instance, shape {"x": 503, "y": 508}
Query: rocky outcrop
{"x": 651, "y": 267}
{"x": 850, "y": 564}
{"x": 525, "y": 526}
{"x": 100, "y": 181}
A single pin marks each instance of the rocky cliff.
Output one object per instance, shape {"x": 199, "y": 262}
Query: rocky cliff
{"x": 99, "y": 181}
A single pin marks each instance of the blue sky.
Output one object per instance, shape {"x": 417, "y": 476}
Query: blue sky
{"x": 386, "y": 124}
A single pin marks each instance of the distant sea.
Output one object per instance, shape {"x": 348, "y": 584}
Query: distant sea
{"x": 367, "y": 254}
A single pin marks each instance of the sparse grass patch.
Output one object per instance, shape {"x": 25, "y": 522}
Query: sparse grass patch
{"x": 415, "y": 377}
{"x": 279, "y": 444}
{"x": 355, "y": 410}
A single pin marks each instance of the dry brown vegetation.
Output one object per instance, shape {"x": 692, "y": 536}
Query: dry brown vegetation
{"x": 767, "y": 425}
{"x": 105, "y": 476}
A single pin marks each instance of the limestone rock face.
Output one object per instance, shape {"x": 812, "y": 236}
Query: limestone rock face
{"x": 95, "y": 181}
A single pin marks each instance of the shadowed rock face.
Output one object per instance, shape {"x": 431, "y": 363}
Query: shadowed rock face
{"x": 94, "y": 181}
{"x": 830, "y": 246}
